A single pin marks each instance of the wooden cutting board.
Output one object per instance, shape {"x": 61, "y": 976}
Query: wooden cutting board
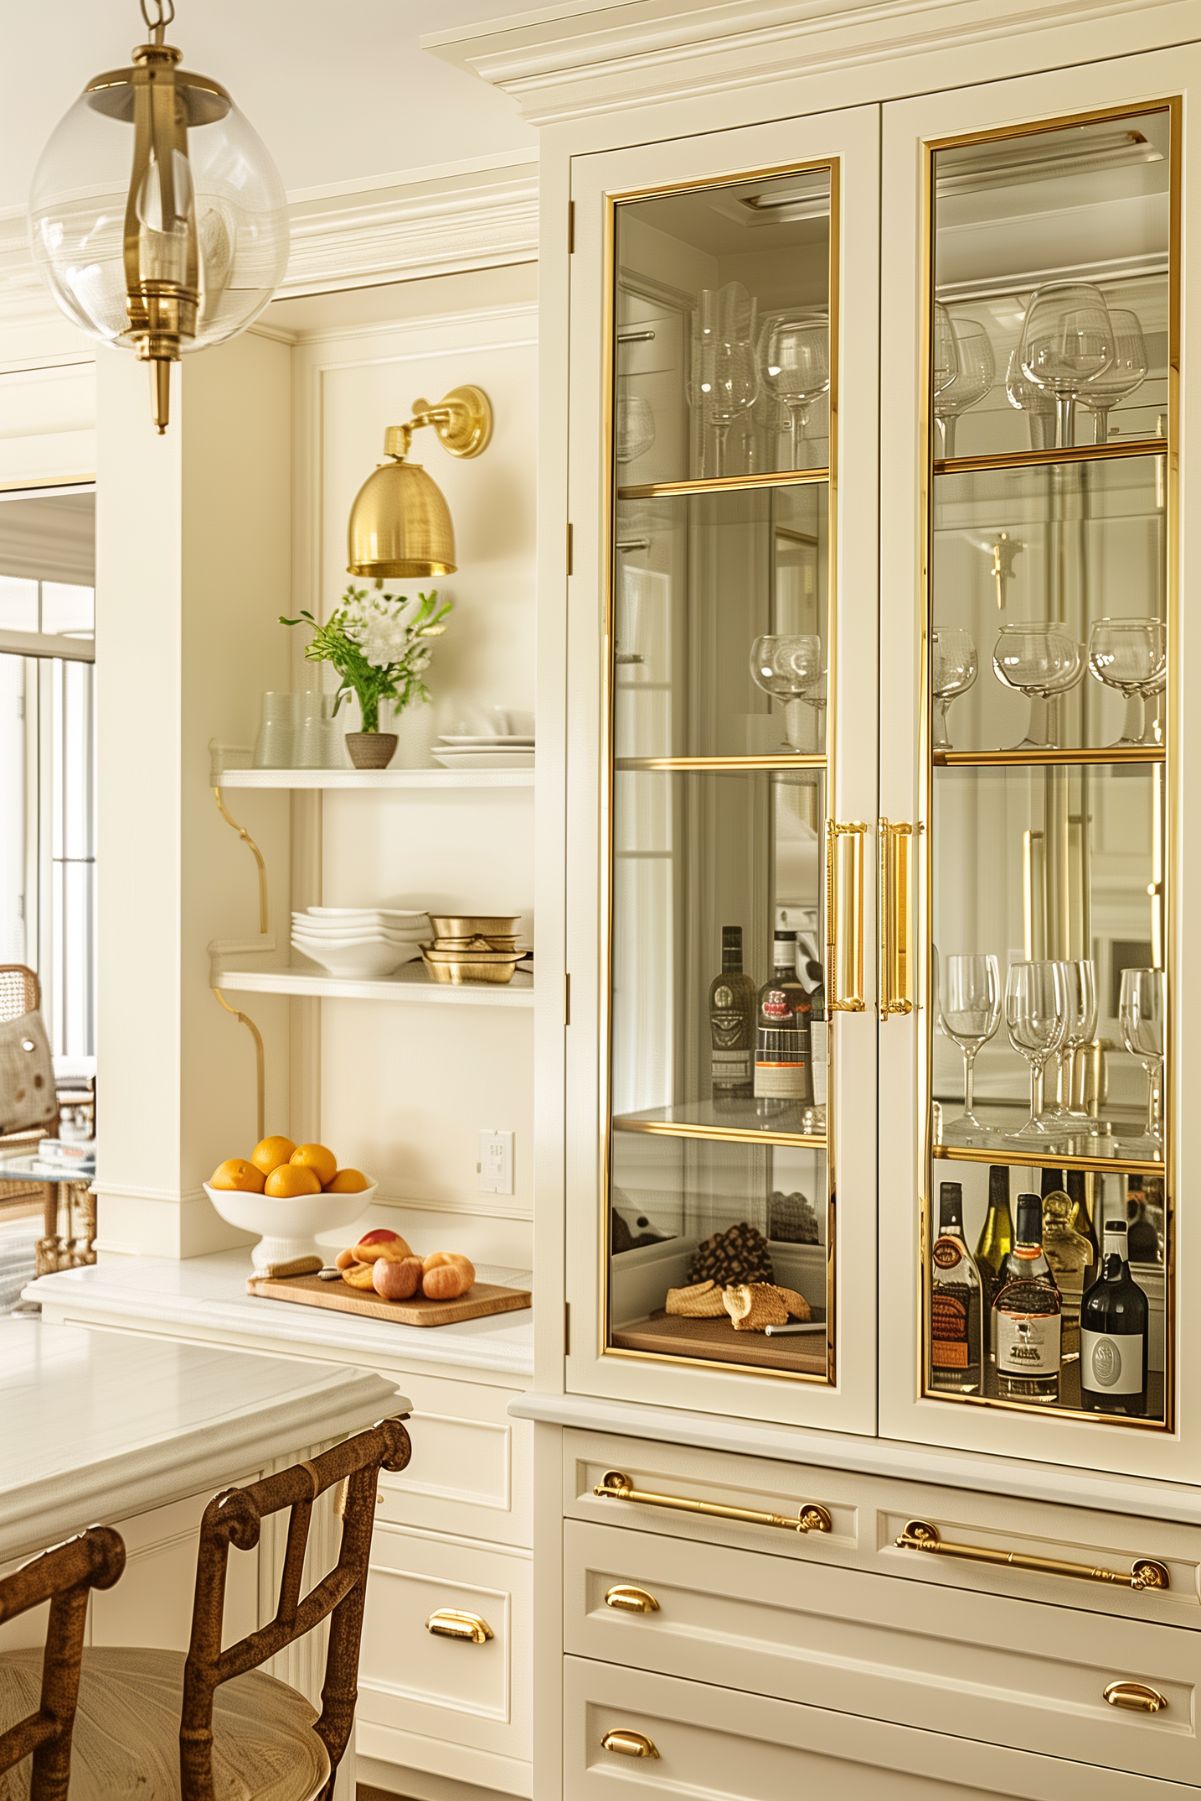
{"x": 310, "y": 1291}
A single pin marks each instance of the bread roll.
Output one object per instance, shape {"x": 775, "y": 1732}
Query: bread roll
{"x": 359, "y": 1276}
{"x": 447, "y": 1281}
{"x": 394, "y": 1249}
{"x": 437, "y": 1258}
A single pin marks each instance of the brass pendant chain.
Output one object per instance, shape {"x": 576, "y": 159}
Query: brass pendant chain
{"x": 163, "y": 15}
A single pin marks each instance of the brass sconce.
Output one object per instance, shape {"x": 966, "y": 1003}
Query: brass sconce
{"x": 400, "y": 523}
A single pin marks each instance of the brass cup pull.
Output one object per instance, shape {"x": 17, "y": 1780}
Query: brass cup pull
{"x": 468, "y": 1628}
{"x": 1137, "y": 1697}
{"x": 811, "y": 1516}
{"x": 630, "y": 1744}
{"x": 1144, "y": 1572}
{"x": 896, "y": 960}
{"x": 625, "y": 1598}
{"x": 844, "y": 957}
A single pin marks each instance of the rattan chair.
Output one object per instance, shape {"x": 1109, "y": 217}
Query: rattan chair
{"x": 21, "y": 992}
{"x": 160, "y": 1727}
{"x": 35, "y": 1748}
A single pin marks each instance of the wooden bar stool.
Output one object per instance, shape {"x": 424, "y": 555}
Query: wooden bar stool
{"x": 215, "y": 1726}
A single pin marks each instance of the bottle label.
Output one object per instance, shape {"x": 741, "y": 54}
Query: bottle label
{"x": 1028, "y": 1343}
{"x": 781, "y": 1081}
{"x": 947, "y": 1253}
{"x": 776, "y": 1003}
{"x": 949, "y": 1348}
{"x": 1112, "y": 1362}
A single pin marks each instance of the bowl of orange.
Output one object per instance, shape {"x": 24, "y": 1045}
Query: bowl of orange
{"x": 286, "y": 1193}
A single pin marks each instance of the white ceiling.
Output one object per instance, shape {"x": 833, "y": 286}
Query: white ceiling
{"x": 340, "y": 92}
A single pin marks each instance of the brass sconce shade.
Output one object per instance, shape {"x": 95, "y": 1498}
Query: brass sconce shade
{"x": 400, "y": 524}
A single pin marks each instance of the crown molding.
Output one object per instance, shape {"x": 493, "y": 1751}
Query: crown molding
{"x": 581, "y": 58}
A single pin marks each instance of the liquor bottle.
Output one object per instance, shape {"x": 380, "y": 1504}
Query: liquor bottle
{"x": 1113, "y": 1333}
{"x": 1027, "y": 1312}
{"x": 783, "y": 1076}
{"x": 956, "y": 1319}
{"x": 818, "y": 1035}
{"x": 1070, "y": 1257}
{"x": 994, "y": 1244}
{"x": 732, "y": 1024}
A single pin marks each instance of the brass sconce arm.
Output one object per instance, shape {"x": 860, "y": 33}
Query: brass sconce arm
{"x": 462, "y": 420}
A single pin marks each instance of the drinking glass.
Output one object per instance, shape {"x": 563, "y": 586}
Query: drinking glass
{"x": 1141, "y": 1013}
{"x": 634, "y": 427}
{"x": 1126, "y": 372}
{"x": 1067, "y": 339}
{"x": 1042, "y": 661}
{"x": 1035, "y": 1016}
{"x": 945, "y": 359}
{"x": 788, "y": 667}
{"x": 794, "y": 352}
{"x": 953, "y": 672}
{"x": 969, "y": 1011}
{"x": 275, "y": 745}
{"x": 1036, "y": 403}
{"x": 976, "y": 368}
{"x": 724, "y": 371}
{"x": 1131, "y": 656}
{"x": 1080, "y": 1009}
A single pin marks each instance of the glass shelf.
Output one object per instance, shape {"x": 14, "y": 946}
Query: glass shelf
{"x": 733, "y": 1120}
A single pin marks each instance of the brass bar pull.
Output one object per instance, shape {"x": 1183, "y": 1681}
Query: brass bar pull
{"x": 1144, "y": 1573}
{"x": 811, "y": 1516}
{"x": 468, "y": 1628}
{"x": 1138, "y": 1697}
{"x": 625, "y": 1598}
{"x": 630, "y": 1744}
{"x": 853, "y": 1001}
{"x": 895, "y": 918}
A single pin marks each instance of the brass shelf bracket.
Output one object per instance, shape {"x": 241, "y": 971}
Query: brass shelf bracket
{"x": 260, "y": 1059}
{"x": 1144, "y": 1573}
{"x": 811, "y": 1516}
{"x": 248, "y": 841}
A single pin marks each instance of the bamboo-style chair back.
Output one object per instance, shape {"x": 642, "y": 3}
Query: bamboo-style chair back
{"x": 20, "y": 991}
{"x": 235, "y": 1518}
{"x": 64, "y": 1576}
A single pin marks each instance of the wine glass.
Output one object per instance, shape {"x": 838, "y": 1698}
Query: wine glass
{"x": 1067, "y": 339}
{"x": 794, "y": 352}
{"x": 953, "y": 671}
{"x": 1141, "y": 1013}
{"x": 1035, "y": 1018}
{"x": 1042, "y": 661}
{"x": 634, "y": 427}
{"x": 1080, "y": 1029}
{"x": 1036, "y": 403}
{"x": 787, "y": 667}
{"x": 723, "y": 377}
{"x": 944, "y": 362}
{"x": 974, "y": 378}
{"x": 969, "y": 1011}
{"x": 1130, "y": 655}
{"x": 1126, "y": 372}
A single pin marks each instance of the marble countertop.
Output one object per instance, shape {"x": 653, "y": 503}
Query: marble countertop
{"x": 97, "y": 1426}
{"x": 205, "y": 1297}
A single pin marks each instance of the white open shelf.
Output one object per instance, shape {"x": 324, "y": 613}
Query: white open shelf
{"x": 374, "y": 779}
{"x": 409, "y": 986}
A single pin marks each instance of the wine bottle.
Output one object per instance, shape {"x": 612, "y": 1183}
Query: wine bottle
{"x": 783, "y": 1074}
{"x": 956, "y": 1320}
{"x": 1070, "y": 1257}
{"x": 994, "y": 1243}
{"x": 732, "y": 1024}
{"x": 818, "y": 1034}
{"x": 1113, "y": 1333}
{"x": 1027, "y": 1312}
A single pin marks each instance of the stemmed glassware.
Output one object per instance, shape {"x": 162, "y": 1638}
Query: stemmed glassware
{"x": 969, "y": 1011}
{"x": 1126, "y": 372}
{"x": 1036, "y": 1018}
{"x": 1141, "y": 1014}
{"x": 953, "y": 671}
{"x": 975, "y": 369}
{"x": 790, "y": 668}
{"x": 1080, "y": 1028}
{"x": 945, "y": 361}
{"x": 634, "y": 427}
{"x": 1130, "y": 655}
{"x": 794, "y": 352}
{"x": 723, "y": 381}
{"x": 1042, "y": 661}
{"x": 1036, "y": 403}
{"x": 1067, "y": 340}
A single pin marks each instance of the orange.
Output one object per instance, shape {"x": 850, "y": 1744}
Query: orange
{"x": 269, "y": 1153}
{"x": 236, "y": 1173}
{"x": 290, "y": 1180}
{"x": 348, "y": 1181}
{"x": 317, "y": 1157}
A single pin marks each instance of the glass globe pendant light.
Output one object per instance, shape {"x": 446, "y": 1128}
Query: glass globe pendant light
{"x": 158, "y": 219}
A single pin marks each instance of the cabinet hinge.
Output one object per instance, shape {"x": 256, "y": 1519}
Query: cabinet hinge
{"x": 567, "y": 999}
{"x": 570, "y": 550}
{"x": 567, "y": 1328}
{"x": 571, "y": 227}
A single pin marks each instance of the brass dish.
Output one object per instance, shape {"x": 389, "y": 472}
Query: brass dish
{"x": 470, "y": 966}
{"x": 494, "y": 941}
{"x": 475, "y": 925}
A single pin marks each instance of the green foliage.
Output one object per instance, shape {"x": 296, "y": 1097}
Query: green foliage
{"x": 379, "y": 644}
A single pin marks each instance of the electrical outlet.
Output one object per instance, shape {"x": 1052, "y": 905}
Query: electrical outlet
{"x": 495, "y": 1165}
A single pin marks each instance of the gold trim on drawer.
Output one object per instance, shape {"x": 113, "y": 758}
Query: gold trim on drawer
{"x": 624, "y": 1597}
{"x": 811, "y": 1517}
{"x": 630, "y": 1744}
{"x": 1144, "y": 1573}
{"x": 468, "y": 1628}
{"x": 1138, "y": 1697}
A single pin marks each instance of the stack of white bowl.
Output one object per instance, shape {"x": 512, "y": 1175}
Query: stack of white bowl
{"x": 362, "y": 942}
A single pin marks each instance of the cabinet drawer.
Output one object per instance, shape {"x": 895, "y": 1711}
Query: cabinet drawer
{"x": 716, "y": 1742}
{"x": 867, "y": 1514}
{"x": 984, "y": 1667}
{"x": 470, "y": 1470}
{"x": 414, "y": 1677}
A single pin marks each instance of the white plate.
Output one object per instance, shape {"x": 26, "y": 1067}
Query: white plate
{"x": 415, "y": 914}
{"x": 361, "y": 961}
{"x": 482, "y": 759}
{"x": 486, "y": 741}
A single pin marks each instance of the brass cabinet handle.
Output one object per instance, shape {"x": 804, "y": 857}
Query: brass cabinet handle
{"x": 468, "y": 1628}
{"x": 625, "y": 1598}
{"x": 1138, "y": 1697}
{"x": 896, "y": 961}
{"x": 630, "y": 1744}
{"x": 811, "y": 1517}
{"x": 1144, "y": 1573}
{"x": 853, "y": 1001}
